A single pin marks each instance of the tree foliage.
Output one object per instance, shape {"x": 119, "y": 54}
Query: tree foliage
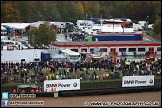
{"x": 41, "y": 35}
{"x": 9, "y": 13}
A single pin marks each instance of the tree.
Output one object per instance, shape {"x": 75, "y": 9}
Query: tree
{"x": 80, "y": 10}
{"x": 157, "y": 26}
{"x": 25, "y": 11}
{"x": 10, "y": 13}
{"x": 94, "y": 8}
{"x": 41, "y": 35}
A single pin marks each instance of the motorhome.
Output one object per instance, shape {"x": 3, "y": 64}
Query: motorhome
{"x": 70, "y": 55}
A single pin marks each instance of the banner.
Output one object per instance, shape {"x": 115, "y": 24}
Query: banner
{"x": 133, "y": 81}
{"x": 57, "y": 85}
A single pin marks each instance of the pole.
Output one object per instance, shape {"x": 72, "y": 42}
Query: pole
{"x": 101, "y": 22}
{"x": 86, "y": 16}
{"x": 113, "y": 24}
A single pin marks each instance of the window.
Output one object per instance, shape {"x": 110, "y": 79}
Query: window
{"x": 22, "y": 60}
{"x": 83, "y": 50}
{"x": 91, "y": 49}
{"x": 131, "y": 49}
{"x": 47, "y": 56}
{"x": 16, "y": 43}
{"x": 158, "y": 48}
{"x": 36, "y": 59}
{"x": 141, "y": 49}
{"x": 74, "y": 57}
{"x": 122, "y": 49}
{"x": 76, "y": 50}
{"x": 103, "y": 49}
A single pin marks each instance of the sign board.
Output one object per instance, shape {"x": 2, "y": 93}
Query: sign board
{"x": 133, "y": 81}
{"x": 57, "y": 85}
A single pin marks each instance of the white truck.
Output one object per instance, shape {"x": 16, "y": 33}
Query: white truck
{"x": 21, "y": 55}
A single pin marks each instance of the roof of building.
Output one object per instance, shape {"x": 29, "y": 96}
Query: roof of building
{"x": 20, "y": 26}
{"x": 107, "y": 42}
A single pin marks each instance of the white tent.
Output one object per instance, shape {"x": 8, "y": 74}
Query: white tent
{"x": 18, "y": 26}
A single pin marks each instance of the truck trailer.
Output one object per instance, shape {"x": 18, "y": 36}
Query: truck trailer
{"x": 33, "y": 55}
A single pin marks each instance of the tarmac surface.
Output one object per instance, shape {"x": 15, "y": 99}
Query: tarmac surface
{"x": 61, "y": 38}
{"x": 148, "y": 99}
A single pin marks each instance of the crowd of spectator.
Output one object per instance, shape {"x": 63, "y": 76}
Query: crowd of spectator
{"x": 24, "y": 71}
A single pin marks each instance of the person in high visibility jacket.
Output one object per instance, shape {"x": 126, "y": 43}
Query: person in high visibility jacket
{"x": 107, "y": 75}
{"x": 142, "y": 71}
{"x": 46, "y": 77}
{"x": 67, "y": 71}
{"x": 137, "y": 66}
{"x": 13, "y": 38}
{"x": 67, "y": 31}
{"x": 53, "y": 75}
{"x": 57, "y": 76}
{"x": 159, "y": 72}
{"x": 14, "y": 91}
{"x": 47, "y": 64}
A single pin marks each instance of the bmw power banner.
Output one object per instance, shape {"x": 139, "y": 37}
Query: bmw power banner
{"x": 57, "y": 85}
{"x": 133, "y": 81}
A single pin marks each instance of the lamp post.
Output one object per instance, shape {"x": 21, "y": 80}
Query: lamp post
{"x": 147, "y": 22}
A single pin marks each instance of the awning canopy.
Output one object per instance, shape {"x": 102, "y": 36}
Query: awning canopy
{"x": 17, "y": 26}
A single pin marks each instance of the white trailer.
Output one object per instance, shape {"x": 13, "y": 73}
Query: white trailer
{"x": 33, "y": 55}
{"x": 61, "y": 25}
{"x": 142, "y": 23}
{"x": 136, "y": 27}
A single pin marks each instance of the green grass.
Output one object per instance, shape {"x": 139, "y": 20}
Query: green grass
{"x": 153, "y": 35}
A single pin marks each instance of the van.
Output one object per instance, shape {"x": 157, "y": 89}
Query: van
{"x": 7, "y": 42}
{"x": 22, "y": 46}
{"x": 16, "y": 43}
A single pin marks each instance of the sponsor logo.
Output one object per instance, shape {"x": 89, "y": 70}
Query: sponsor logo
{"x": 151, "y": 81}
{"x": 57, "y": 85}
{"x": 75, "y": 84}
{"x": 5, "y": 95}
{"x": 4, "y": 102}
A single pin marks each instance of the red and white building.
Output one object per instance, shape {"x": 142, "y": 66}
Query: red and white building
{"x": 111, "y": 48}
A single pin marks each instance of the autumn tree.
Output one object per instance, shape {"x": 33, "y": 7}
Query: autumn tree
{"x": 80, "y": 10}
{"x": 25, "y": 11}
{"x": 157, "y": 26}
{"x": 9, "y": 13}
{"x": 41, "y": 35}
{"x": 94, "y": 8}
